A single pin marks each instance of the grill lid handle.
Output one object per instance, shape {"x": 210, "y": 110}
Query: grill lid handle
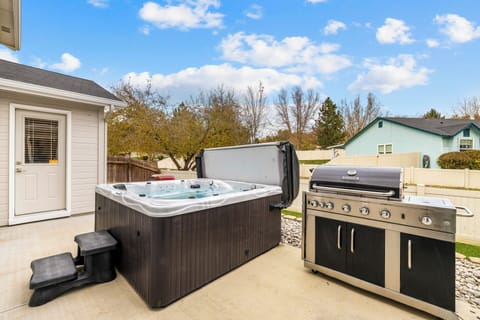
{"x": 468, "y": 213}
{"x": 356, "y": 192}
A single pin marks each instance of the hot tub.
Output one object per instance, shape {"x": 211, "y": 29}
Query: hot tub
{"x": 176, "y": 236}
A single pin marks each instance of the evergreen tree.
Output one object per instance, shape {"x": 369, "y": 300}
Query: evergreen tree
{"x": 329, "y": 125}
{"x": 433, "y": 114}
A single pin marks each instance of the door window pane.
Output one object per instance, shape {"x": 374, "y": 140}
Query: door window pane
{"x": 41, "y": 141}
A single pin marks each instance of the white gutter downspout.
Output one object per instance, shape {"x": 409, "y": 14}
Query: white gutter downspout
{"x": 107, "y": 114}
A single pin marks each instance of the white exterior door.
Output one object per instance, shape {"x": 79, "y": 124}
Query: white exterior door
{"x": 40, "y": 162}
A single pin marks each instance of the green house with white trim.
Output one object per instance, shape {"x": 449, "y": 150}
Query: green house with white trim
{"x": 429, "y": 137}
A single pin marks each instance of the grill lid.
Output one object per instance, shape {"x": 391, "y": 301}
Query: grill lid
{"x": 378, "y": 182}
{"x": 272, "y": 163}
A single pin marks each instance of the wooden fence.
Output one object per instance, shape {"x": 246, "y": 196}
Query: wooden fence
{"x": 126, "y": 169}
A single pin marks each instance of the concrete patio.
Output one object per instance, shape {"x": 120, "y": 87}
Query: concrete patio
{"x": 272, "y": 286}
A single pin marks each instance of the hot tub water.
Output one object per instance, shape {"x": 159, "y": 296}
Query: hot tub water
{"x": 191, "y": 189}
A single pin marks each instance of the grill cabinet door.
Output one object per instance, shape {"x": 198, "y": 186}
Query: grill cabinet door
{"x": 330, "y": 244}
{"x": 427, "y": 270}
{"x": 366, "y": 253}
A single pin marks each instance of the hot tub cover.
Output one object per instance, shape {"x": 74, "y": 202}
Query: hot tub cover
{"x": 273, "y": 163}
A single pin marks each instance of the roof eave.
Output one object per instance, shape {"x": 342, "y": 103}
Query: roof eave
{"x": 361, "y": 131}
{"x": 28, "y": 88}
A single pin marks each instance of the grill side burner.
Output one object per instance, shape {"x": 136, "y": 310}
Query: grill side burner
{"x": 363, "y": 231}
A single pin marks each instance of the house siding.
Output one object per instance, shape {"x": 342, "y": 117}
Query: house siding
{"x": 402, "y": 138}
{"x": 87, "y": 137}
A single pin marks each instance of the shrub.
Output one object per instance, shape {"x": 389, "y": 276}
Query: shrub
{"x": 460, "y": 160}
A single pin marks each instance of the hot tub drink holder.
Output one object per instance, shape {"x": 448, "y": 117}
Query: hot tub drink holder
{"x": 54, "y": 275}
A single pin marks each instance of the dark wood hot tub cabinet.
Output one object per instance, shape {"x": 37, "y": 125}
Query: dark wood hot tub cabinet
{"x": 165, "y": 258}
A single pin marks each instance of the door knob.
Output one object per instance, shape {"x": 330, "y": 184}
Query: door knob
{"x": 19, "y": 170}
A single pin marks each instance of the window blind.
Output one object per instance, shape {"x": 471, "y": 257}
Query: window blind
{"x": 41, "y": 140}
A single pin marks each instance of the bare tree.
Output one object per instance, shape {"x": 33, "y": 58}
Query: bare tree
{"x": 254, "y": 112}
{"x": 283, "y": 110}
{"x": 469, "y": 108}
{"x": 356, "y": 117}
{"x": 298, "y": 117}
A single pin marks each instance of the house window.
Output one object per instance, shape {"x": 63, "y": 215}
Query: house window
{"x": 466, "y": 132}
{"x": 384, "y": 148}
{"x": 388, "y": 148}
{"x": 380, "y": 124}
{"x": 466, "y": 144}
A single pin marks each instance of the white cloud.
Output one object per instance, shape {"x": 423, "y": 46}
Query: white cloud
{"x": 432, "y": 43}
{"x": 101, "y": 72}
{"x": 394, "y": 31}
{"x": 188, "y": 14}
{"x": 457, "y": 28}
{"x": 38, "y": 63}
{"x": 99, "y": 3}
{"x": 69, "y": 63}
{"x": 145, "y": 30}
{"x": 333, "y": 26}
{"x": 397, "y": 73}
{"x": 255, "y": 12}
{"x": 291, "y": 53}
{"x": 180, "y": 85}
{"x": 7, "y": 54}
{"x": 316, "y": 1}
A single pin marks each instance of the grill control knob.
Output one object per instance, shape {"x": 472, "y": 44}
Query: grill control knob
{"x": 426, "y": 220}
{"x": 364, "y": 210}
{"x": 329, "y": 205}
{"x": 385, "y": 214}
{"x": 321, "y": 204}
{"x": 346, "y": 208}
{"x": 314, "y": 203}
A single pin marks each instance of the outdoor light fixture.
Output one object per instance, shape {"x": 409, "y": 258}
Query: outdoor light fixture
{"x": 10, "y": 23}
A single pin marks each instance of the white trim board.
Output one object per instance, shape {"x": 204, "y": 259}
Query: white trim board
{"x": 12, "y": 219}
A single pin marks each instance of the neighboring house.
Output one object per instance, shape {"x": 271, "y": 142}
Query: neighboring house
{"x": 52, "y": 143}
{"x": 429, "y": 137}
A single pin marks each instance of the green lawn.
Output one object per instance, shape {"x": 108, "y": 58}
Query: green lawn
{"x": 465, "y": 249}
{"x": 313, "y": 161}
{"x": 292, "y": 213}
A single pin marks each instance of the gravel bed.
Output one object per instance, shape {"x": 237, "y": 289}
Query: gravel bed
{"x": 291, "y": 231}
{"x": 467, "y": 273}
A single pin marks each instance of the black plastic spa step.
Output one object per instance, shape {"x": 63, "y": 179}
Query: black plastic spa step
{"x": 95, "y": 242}
{"x": 52, "y": 270}
{"x": 54, "y": 275}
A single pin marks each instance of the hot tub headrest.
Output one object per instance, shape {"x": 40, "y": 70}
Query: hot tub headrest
{"x": 120, "y": 186}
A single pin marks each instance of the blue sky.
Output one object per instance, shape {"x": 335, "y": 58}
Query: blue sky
{"x": 412, "y": 55}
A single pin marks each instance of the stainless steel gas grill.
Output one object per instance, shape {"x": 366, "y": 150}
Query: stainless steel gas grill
{"x": 359, "y": 228}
